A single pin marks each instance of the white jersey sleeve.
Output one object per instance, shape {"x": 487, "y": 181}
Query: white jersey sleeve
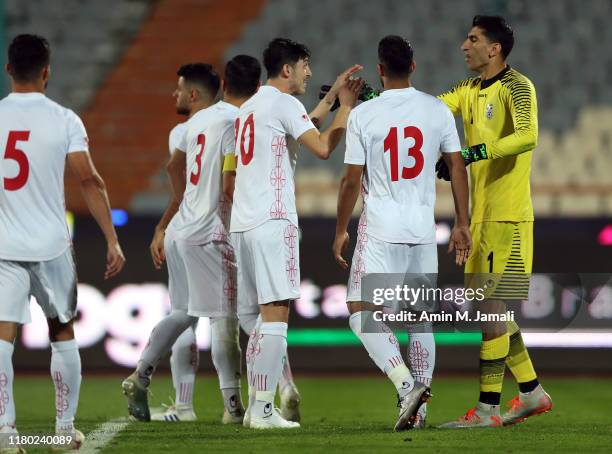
{"x": 449, "y": 138}
{"x": 355, "y": 149}
{"x": 293, "y": 116}
{"x": 176, "y": 137}
{"x": 77, "y": 136}
{"x": 228, "y": 139}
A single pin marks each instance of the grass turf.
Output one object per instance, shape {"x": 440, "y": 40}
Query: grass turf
{"x": 340, "y": 414}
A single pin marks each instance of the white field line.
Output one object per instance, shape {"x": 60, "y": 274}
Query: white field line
{"x": 98, "y": 438}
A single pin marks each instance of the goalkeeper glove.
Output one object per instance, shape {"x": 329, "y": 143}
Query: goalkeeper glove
{"x": 365, "y": 94}
{"x": 470, "y": 155}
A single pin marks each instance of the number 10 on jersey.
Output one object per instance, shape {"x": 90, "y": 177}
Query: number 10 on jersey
{"x": 392, "y": 145}
{"x": 248, "y": 131}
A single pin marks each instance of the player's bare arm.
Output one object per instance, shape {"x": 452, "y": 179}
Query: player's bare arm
{"x": 176, "y": 172}
{"x": 460, "y": 240}
{"x": 319, "y": 113}
{"x": 96, "y": 197}
{"x": 229, "y": 182}
{"x": 323, "y": 144}
{"x": 347, "y": 198}
{"x": 229, "y": 177}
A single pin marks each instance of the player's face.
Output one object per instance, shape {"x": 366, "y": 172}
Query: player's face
{"x": 299, "y": 75}
{"x": 182, "y": 94}
{"x": 476, "y": 49}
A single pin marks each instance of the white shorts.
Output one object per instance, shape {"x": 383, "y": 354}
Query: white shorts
{"x": 202, "y": 278}
{"x": 53, "y": 283}
{"x": 268, "y": 260}
{"x": 376, "y": 256}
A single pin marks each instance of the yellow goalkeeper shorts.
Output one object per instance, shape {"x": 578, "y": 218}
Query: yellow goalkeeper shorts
{"x": 505, "y": 250}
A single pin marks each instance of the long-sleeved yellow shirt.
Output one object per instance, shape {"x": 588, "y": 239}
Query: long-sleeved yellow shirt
{"x": 502, "y": 113}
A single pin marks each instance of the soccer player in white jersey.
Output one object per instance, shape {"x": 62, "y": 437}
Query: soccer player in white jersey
{"x": 196, "y": 243}
{"x": 264, "y": 217}
{"x": 392, "y": 146}
{"x": 184, "y": 358}
{"x": 39, "y": 137}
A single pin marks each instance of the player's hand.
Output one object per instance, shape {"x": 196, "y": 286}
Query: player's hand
{"x": 157, "y": 248}
{"x": 341, "y": 242}
{"x": 461, "y": 243}
{"x": 114, "y": 260}
{"x": 442, "y": 171}
{"x": 341, "y": 80}
{"x": 349, "y": 92}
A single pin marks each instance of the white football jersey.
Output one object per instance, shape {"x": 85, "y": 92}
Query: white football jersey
{"x": 36, "y": 134}
{"x": 398, "y": 137}
{"x": 203, "y": 215}
{"x": 175, "y": 137}
{"x": 268, "y": 127}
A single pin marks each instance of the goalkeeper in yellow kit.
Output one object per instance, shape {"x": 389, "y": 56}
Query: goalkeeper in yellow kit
{"x": 499, "y": 113}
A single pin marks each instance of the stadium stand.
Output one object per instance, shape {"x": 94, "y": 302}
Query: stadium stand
{"x": 129, "y": 114}
{"x": 97, "y": 29}
{"x": 122, "y": 89}
{"x": 571, "y": 164}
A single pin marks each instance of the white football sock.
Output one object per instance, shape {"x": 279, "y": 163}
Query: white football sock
{"x": 286, "y": 378}
{"x": 161, "y": 339}
{"x": 7, "y": 417}
{"x": 382, "y": 346}
{"x": 226, "y": 356}
{"x": 184, "y": 365}
{"x": 252, "y": 347}
{"x": 247, "y": 323}
{"x": 422, "y": 352}
{"x": 66, "y": 374}
{"x": 267, "y": 365}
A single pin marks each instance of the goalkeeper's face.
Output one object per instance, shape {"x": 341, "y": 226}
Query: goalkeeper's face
{"x": 298, "y": 76}
{"x": 477, "y": 49}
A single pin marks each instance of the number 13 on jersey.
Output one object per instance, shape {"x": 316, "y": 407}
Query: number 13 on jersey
{"x": 392, "y": 145}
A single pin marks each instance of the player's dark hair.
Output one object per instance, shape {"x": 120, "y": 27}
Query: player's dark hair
{"x": 201, "y": 74}
{"x": 27, "y": 56}
{"x": 242, "y": 75}
{"x": 395, "y": 55}
{"x": 281, "y": 52}
{"x": 496, "y": 30}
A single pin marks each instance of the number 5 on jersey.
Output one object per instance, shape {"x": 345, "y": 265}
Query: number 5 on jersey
{"x": 248, "y": 129}
{"x": 15, "y": 154}
{"x": 391, "y": 145}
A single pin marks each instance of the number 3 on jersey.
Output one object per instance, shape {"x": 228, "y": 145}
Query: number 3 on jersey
{"x": 391, "y": 145}
{"x": 246, "y": 154}
{"x": 195, "y": 175}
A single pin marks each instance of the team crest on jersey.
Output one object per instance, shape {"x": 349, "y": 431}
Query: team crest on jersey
{"x": 489, "y": 111}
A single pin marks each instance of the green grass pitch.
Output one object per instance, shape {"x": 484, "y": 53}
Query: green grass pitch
{"x": 339, "y": 414}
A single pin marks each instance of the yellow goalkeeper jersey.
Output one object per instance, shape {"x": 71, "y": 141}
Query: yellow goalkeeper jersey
{"x": 502, "y": 113}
